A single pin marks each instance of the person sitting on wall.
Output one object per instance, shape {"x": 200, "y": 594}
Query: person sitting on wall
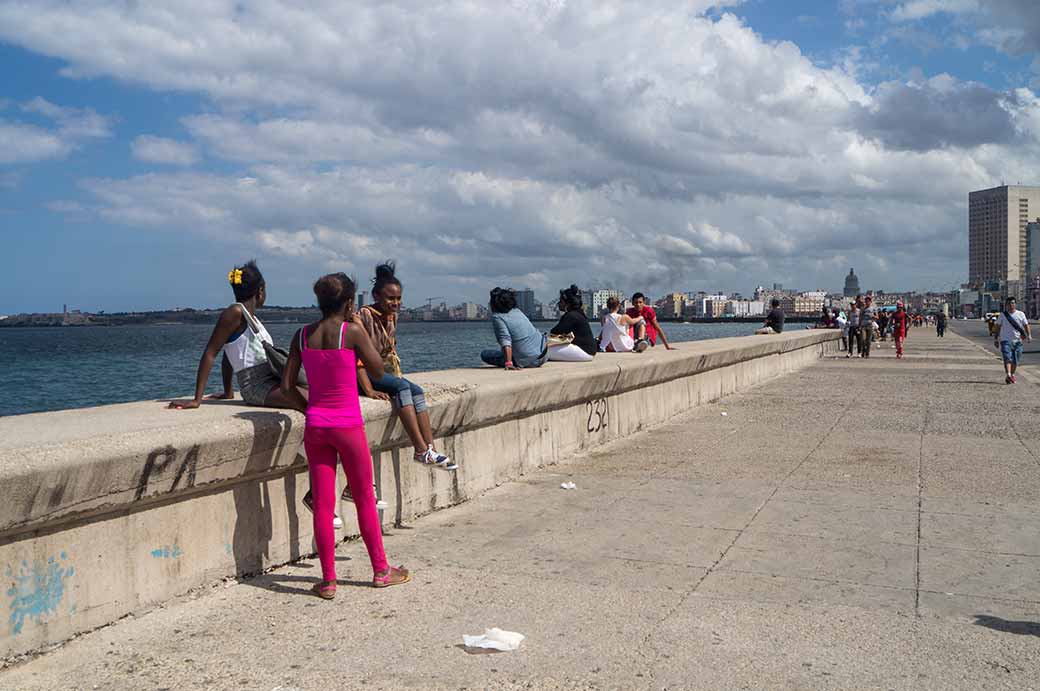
{"x": 614, "y": 334}
{"x": 520, "y": 344}
{"x": 240, "y": 336}
{"x": 653, "y": 328}
{"x": 774, "y": 320}
{"x": 574, "y": 324}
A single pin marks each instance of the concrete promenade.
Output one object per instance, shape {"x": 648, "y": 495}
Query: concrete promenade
{"x": 856, "y": 524}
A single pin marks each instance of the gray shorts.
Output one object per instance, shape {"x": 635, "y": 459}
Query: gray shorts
{"x": 256, "y": 383}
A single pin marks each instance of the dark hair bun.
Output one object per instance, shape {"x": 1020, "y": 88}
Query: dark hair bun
{"x": 249, "y": 282}
{"x": 333, "y": 292}
{"x": 385, "y": 275}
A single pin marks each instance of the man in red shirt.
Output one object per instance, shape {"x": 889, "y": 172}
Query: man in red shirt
{"x": 653, "y": 328}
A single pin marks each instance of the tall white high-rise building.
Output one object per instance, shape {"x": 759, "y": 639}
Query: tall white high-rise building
{"x": 595, "y": 301}
{"x": 997, "y": 221}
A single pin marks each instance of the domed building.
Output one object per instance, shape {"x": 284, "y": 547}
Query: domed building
{"x": 852, "y": 284}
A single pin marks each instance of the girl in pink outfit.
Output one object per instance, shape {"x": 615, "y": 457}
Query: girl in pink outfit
{"x": 900, "y": 327}
{"x": 329, "y": 350}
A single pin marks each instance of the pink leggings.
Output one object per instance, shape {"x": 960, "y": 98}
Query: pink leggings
{"x": 322, "y": 445}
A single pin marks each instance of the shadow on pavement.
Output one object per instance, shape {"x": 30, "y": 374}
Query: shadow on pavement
{"x": 1022, "y": 628}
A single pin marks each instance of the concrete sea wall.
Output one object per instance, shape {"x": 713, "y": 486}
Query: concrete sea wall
{"x": 111, "y": 510}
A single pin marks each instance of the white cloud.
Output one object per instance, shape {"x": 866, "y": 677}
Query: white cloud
{"x": 162, "y": 150}
{"x": 569, "y": 141}
{"x": 73, "y": 123}
{"x": 920, "y": 9}
{"x": 65, "y": 129}
{"x": 20, "y": 143}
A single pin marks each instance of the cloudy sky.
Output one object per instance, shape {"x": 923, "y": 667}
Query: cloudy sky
{"x": 651, "y": 145}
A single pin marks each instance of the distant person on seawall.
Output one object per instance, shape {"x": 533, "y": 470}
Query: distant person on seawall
{"x": 330, "y": 351}
{"x": 653, "y": 328}
{"x": 774, "y": 320}
{"x": 573, "y": 322}
{"x": 241, "y": 336}
{"x": 520, "y": 345}
{"x": 614, "y": 334}
{"x": 940, "y": 325}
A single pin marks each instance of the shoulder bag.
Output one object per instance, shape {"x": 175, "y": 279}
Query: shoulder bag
{"x": 276, "y": 357}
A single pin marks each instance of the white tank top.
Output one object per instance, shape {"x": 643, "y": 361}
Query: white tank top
{"x": 248, "y": 349}
{"x": 614, "y": 334}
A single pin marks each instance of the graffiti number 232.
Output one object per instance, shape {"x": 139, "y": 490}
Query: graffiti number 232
{"x": 597, "y": 415}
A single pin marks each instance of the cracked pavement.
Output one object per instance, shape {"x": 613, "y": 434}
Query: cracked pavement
{"x": 858, "y": 524}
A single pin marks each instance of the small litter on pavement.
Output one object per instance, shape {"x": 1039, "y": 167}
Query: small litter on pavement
{"x": 724, "y": 413}
{"x": 494, "y": 639}
{"x": 568, "y": 485}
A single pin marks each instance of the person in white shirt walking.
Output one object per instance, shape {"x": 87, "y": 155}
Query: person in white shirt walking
{"x": 1013, "y": 327}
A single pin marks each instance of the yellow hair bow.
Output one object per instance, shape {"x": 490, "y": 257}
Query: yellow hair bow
{"x": 234, "y": 277}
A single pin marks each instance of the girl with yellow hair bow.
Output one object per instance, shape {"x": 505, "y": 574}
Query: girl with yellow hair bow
{"x": 241, "y": 337}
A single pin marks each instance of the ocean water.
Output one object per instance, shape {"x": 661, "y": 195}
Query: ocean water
{"x": 76, "y": 367}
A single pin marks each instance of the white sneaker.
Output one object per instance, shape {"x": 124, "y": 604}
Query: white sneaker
{"x": 435, "y": 459}
{"x": 308, "y": 501}
{"x": 347, "y": 496}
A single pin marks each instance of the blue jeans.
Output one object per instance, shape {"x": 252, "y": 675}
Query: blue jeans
{"x": 401, "y": 391}
{"x": 496, "y": 358}
{"x": 1011, "y": 351}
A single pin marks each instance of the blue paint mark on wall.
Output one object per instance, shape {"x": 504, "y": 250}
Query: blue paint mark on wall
{"x": 37, "y": 590}
{"x": 167, "y": 552}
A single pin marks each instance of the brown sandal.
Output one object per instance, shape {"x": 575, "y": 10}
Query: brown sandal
{"x": 395, "y": 575}
{"x": 326, "y": 590}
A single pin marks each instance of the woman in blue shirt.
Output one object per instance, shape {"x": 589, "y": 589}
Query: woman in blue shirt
{"x": 520, "y": 344}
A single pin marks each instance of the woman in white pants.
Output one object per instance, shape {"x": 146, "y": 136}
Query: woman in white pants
{"x": 573, "y": 323}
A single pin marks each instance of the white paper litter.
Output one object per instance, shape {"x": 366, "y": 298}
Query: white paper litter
{"x": 568, "y": 485}
{"x": 494, "y": 639}
{"x": 725, "y": 414}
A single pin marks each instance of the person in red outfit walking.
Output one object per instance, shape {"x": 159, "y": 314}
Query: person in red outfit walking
{"x": 900, "y": 327}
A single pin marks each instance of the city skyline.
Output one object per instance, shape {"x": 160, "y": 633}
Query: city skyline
{"x": 686, "y": 144}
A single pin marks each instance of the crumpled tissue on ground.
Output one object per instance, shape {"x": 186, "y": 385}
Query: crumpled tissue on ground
{"x": 568, "y": 485}
{"x": 494, "y": 639}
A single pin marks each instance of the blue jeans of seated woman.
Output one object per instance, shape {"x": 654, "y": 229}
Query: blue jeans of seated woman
{"x": 496, "y": 358}
{"x": 402, "y": 392}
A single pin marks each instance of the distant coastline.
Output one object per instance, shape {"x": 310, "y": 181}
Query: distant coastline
{"x": 273, "y": 315}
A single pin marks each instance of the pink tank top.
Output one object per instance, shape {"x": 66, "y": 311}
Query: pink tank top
{"x": 332, "y": 378}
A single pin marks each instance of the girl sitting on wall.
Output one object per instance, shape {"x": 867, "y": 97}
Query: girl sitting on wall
{"x": 330, "y": 352}
{"x": 614, "y": 336}
{"x": 380, "y": 322}
{"x": 241, "y": 336}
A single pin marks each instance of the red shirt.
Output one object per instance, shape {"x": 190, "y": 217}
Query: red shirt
{"x": 901, "y": 321}
{"x": 650, "y": 316}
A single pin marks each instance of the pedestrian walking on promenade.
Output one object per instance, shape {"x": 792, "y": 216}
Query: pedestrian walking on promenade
{"x": 330, "y": 352}
{"x": 853, "y": 338}
{"x": 1014, "y": 326}
{"x": 940, "y": 325}
{"x": 866, "y": 323}
{"x": 574, "y": 323}
{"x": 240, "y": 335}
{"x": 520, "y": 345}
{"x": 882, "y": 321}
{"x": 900, "y": 327}
{"x": 842, "y": 322}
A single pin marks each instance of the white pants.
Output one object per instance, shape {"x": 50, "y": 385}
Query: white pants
{"x": 568, "y": 353}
